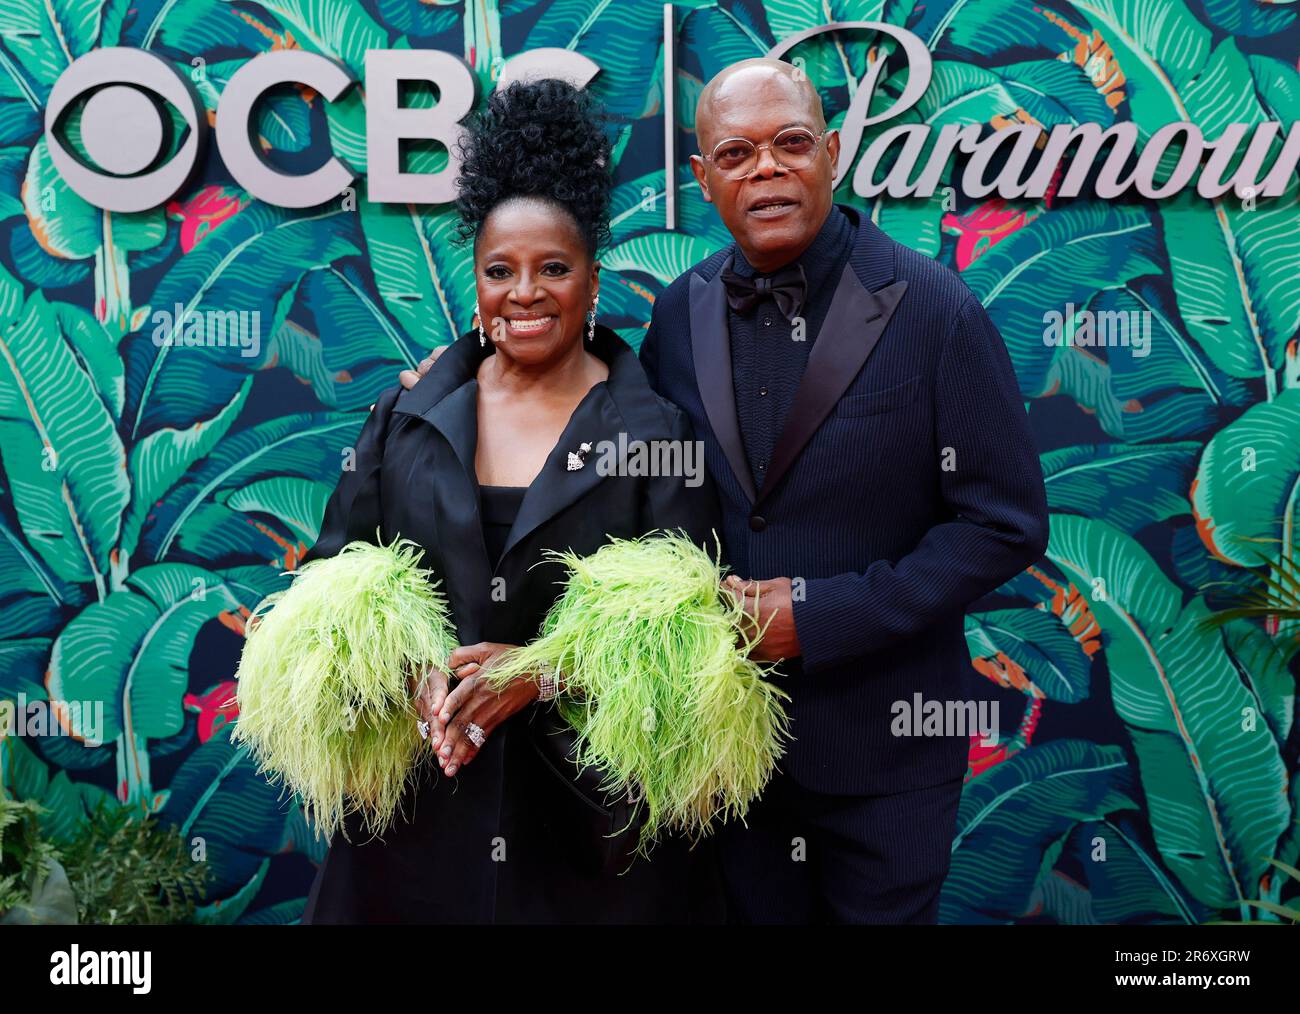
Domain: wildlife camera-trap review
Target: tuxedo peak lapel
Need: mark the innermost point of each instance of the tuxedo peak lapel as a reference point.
(872, 255)
(711, 351)
(852, 327)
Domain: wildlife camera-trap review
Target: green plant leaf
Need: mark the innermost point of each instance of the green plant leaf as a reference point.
(1244, 496)
(425, 279)
(1215, 791)
(1013, 814)
(1055, 260)
(1128, 485)
(299, 503)
(159, 460)
(52, 904)
(61, 451)
(251, 265)
(342, 31)
(131, 652)
(45, 38)
(1125, 881)
(1035, 641)
(615, 35)
(220, 803)
(663, 255)
(304, 445)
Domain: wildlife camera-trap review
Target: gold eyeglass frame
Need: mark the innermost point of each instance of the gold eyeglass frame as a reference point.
(770, 146)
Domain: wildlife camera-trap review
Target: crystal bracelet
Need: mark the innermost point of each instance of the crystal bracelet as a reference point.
(548, 682)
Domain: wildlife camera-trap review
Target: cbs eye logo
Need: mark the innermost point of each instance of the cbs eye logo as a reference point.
(125, 131)
(124, 128)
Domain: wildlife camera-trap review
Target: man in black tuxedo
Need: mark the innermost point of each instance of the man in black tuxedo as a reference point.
(863, 423)
(877, 473)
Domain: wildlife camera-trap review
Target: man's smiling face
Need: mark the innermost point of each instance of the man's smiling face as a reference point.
(774, 213)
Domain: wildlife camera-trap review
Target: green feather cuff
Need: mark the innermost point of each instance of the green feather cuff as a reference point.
(658, 682)
(325, 707)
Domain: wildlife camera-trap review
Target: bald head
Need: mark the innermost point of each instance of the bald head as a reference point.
(748, 86)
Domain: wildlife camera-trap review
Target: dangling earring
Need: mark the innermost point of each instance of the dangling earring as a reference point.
(482, 335)
(591, 319)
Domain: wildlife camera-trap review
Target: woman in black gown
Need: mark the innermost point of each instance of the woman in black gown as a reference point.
(491, 459)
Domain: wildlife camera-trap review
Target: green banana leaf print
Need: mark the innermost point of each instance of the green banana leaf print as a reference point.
(153, 492)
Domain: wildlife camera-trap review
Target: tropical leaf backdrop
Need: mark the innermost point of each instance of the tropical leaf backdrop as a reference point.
(150, 496)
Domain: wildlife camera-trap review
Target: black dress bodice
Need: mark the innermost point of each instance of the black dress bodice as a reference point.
(498, 507)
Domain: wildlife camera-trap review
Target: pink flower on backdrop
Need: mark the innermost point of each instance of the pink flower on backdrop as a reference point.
(988, 224)
(205, 211)
(984, 227)
(216, 708)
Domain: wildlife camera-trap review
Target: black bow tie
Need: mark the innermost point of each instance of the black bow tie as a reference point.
(787, 286)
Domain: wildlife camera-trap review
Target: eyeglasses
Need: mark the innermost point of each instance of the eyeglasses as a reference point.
(794, 148)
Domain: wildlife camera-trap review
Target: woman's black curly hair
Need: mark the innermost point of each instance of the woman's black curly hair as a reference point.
(542, 138)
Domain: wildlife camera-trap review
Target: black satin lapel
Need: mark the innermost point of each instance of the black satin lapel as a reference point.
(459, 363)
(456, 418)
(711, 349)
(853, 326)
(595, 419)
(455, 498)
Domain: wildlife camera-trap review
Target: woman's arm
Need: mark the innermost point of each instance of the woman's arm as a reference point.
(354, 512)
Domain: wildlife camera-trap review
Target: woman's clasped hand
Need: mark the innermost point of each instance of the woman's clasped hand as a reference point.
(460, 718)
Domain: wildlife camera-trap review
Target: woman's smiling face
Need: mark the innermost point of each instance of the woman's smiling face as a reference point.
(535, 280)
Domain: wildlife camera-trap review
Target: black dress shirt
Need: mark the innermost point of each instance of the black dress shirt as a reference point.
(767, 357)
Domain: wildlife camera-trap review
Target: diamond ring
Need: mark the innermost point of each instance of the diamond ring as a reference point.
(475, 733)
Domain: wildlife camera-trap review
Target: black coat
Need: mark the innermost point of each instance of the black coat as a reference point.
(493, 843)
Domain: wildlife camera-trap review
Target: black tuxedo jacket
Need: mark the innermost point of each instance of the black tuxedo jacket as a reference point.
(904, 485)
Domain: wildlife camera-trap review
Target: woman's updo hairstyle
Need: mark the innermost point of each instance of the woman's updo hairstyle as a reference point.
(542, 138)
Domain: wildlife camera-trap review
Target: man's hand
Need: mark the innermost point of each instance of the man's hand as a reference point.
(771, 611)
(410, 378)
